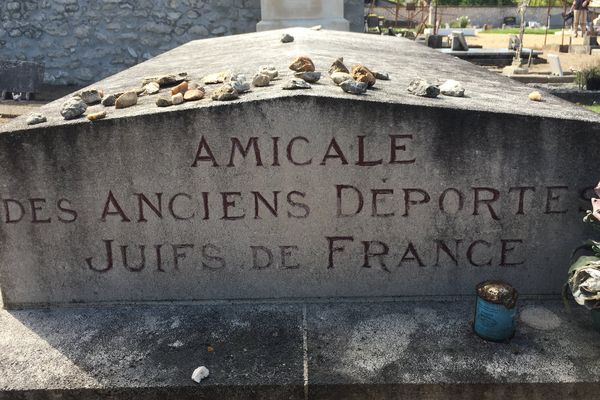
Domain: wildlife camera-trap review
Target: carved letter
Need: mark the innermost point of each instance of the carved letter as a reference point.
(368, 254)
(236, 144)
(552, 197)
(109, 258)
(289, 151)
(216, 258)
(172, 206)
(227, 203)
(471, 249)
(264, 250)
(272, 208)
(332, 249)
(339, 189)
(414, 255)
(297, 204)
(506, 249)
(209, 154)
(333, 145)
(375, 201)
(119, 211)
(522, 190)
(67, 210)
(8, 218)
(35, 208)
(361, 154)
(408, 201)
(142, 199)
(177, 255)
(286, 251)
(394, 147)
(488, 202)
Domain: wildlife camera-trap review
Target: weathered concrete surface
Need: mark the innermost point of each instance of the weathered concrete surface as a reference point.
(251, 351)
(457, 190)
(356, 350)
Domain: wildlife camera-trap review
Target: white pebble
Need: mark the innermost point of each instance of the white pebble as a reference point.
(199, 374)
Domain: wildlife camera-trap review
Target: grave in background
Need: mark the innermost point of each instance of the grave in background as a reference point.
(296, 194)
(278, 14)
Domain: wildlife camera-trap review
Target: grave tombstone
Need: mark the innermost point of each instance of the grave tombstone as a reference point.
(296, 194)
(555, 66)
(458, 41)
(20, 77)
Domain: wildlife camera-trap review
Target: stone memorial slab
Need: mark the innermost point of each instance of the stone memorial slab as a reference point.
(295, 194)
(20, 76)
(555, 66)
(278, 14)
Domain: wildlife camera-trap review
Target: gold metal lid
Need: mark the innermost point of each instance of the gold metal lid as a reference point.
(498, 292)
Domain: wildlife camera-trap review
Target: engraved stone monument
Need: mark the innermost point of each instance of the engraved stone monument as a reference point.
(278, 14)
(296, 194)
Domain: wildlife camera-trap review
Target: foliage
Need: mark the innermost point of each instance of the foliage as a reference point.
(500, 3)
(584, 274)
(588, 77)
(460, 22)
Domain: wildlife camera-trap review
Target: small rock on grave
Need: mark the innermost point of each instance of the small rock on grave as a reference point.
(199, 374)
(384, 76)
(452, 88)
(109, 100)
(194, 94)
(91, 96)
(97, 115)
(287, 38)
(34, 119)
(166, 80)
(240, 84)
(339, 77)
(261, 80)
(270, 70)
(338, 66)
(310, 77)
(354, 87)
(420, 87)
(535, 96)
(181, 88)
(73, 108)
(127, 99)
(218, 77)
(177, 99)
(225, 93)
(302, 64)
(164, 101)
(296, 83)
(152, 88)
(361, 73)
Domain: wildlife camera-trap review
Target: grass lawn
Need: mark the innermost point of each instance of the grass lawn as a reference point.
(515, 31)
(594, 108)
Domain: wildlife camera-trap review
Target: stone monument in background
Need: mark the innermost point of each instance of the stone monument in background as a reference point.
(277, 14)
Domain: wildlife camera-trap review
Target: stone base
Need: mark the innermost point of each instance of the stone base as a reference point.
(344, 350)
(339, 24)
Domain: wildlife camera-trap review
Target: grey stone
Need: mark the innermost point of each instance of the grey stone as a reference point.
(310, 77)
(127, 99)
(287, 38)
(164, 101)
(73, 108)
(338, 66)
(452, 88)
(269, 70)
(91, 96)
(109, 100)
(339, 77)
(420, 87)
(239, 83)
(436, 178)
(540, 317)
(225, 92)
(166, 80)
(152, 87)
(97, 115)
(35, 119)
(194, 94)
(260, 80)
(177, 99)
(384, 76)
(217, 77)
(296, 83)
(354, 87)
